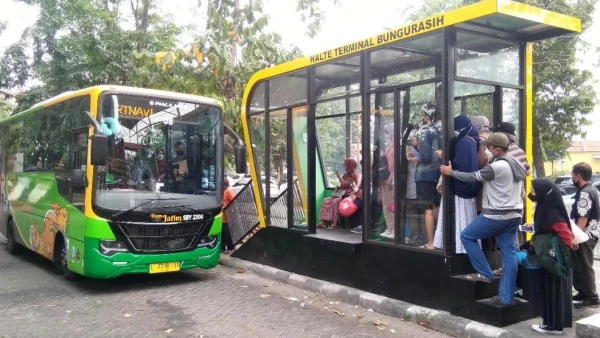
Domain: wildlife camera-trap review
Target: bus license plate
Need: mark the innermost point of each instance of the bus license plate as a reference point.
(164, 267)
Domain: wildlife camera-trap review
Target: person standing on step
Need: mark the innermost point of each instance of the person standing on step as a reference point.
(501, 216)
(428, 173)
(550, 294)
(585, 213)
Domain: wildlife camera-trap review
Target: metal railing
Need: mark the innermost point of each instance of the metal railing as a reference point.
(279, 208)
(242, 215)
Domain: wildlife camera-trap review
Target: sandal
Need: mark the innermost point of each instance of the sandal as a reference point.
(478, 278)
(322, 225)
(424, 246)
(333, 226)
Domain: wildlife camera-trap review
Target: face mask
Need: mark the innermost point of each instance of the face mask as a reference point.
(533, 197)
(160, 157)
(180, 152)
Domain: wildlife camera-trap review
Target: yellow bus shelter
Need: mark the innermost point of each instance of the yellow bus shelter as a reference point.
(364, 100)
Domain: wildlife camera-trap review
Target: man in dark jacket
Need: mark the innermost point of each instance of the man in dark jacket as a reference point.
(585, 212)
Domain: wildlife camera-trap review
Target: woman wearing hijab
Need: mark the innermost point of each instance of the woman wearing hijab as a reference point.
(464, 157)
(551, 295)
(329, 207)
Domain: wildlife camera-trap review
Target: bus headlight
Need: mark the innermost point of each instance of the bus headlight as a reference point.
(207, 242)
(109, 248)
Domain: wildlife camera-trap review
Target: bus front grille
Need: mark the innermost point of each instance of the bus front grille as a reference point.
(153, 237)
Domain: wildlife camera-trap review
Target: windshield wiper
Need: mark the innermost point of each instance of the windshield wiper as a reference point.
(183, 206)
(114, 217)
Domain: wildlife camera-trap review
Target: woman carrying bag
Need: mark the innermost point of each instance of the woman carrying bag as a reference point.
(545, 275)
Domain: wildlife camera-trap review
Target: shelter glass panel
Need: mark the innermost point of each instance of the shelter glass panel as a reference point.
(300, 167)
(257, 99)
(338, 77)
(288, 89)
(486, 59)
(511, 108)
(276, 181)
(420, 178)
(331, 134)
(256, 126)
(407, 61)
(473, 99)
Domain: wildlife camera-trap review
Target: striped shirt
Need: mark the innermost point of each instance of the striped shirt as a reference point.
(518, 154)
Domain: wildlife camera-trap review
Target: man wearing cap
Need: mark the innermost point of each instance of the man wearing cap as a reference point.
(500, 217)
(513, 149)
(427, 174)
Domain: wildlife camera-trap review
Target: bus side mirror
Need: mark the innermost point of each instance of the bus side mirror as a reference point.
(240, 159)
(99, 146)
(78, 178)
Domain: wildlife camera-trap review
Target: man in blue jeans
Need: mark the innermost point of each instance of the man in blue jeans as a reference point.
(500, 217)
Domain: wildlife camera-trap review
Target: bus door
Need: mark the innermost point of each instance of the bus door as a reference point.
(78, 162)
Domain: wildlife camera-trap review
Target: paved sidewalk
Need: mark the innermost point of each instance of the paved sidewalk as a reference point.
(221, 302)
(438, 320)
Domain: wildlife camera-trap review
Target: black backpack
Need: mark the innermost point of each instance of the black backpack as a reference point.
(382, 172)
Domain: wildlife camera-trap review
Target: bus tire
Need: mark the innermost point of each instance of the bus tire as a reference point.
(12, 245)
(61, 256)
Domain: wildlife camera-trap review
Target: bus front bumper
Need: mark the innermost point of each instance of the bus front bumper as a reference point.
(97, 265)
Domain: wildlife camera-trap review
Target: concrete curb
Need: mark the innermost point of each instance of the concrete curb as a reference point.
(588, 327)
(437, 320)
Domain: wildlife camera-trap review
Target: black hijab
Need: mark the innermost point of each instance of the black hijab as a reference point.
(550, 207)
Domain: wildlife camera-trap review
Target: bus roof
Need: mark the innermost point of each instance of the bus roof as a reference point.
(502, 18)
(123, 89)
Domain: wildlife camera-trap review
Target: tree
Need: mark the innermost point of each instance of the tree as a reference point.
(563, 94)
(219, 62)
(79, 43)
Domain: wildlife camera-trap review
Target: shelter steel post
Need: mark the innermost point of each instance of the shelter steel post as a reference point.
(267, 192)
(290, 167)
(312, 153)
(448, 75)
(365, 84)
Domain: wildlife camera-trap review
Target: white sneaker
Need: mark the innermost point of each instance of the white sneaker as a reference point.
(387, 234)
(545, 329)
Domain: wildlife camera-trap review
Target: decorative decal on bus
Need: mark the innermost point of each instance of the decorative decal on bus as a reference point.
(55, 221)
(383, 38)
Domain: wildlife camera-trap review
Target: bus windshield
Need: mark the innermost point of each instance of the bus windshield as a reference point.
(163, 151)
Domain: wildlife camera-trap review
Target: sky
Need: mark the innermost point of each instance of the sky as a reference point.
(350, 21)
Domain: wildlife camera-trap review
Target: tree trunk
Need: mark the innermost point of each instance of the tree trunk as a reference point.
(538, 156)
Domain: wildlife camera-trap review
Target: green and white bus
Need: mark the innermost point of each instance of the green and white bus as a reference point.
(112, 180)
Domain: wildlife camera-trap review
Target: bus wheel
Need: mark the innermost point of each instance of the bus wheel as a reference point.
(61, 256)
(12, 245)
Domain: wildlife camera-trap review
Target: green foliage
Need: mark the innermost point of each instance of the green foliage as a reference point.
(79, 43)
(219, 62)
(5, 109)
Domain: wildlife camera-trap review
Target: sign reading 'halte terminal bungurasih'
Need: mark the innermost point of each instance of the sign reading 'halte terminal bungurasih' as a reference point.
(386, 37)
